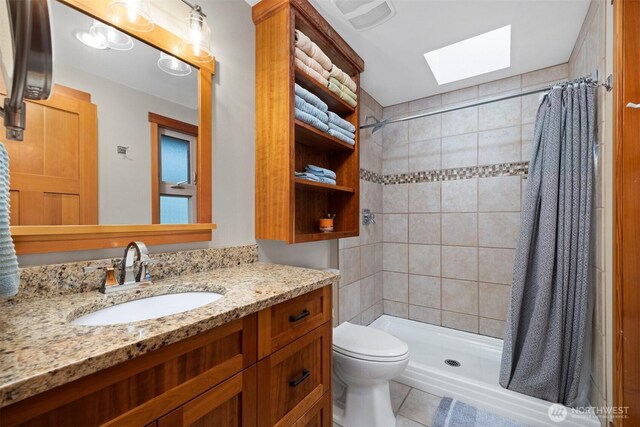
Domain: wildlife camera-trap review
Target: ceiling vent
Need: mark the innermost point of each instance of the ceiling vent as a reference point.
(365, 14)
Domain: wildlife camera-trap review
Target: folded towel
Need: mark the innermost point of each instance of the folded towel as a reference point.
(311, 73)
(312, 63)
(343, 78)
(318, 171)
(342, 95)
(310, 120)
(312, 50)
(339, 121)
(344, 88)
(310, 109)
(315, 178)
(341, 136)
(310, 98)
(346, 133)
(9, 272)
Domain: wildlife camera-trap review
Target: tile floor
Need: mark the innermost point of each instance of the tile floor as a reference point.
(413, 407)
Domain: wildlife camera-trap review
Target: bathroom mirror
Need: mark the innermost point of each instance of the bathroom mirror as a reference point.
(122, 150)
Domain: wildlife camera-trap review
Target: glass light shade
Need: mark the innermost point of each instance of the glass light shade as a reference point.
(196, 43)
(90, 40)
(172, 65)
(113, 38)
(132, 14)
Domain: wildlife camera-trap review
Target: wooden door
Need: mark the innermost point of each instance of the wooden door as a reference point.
(54, 171)
(627, 211)
(230, 404)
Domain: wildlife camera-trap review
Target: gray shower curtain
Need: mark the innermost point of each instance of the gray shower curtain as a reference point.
(547, 339)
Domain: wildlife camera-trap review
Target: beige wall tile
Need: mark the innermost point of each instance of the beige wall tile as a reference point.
(424, 229)
(425, 128)
(499, 229)
(396, 110)
(350, 267)
(367, 292)
(492, 328)
(395, 134)
(499, 146)
(424, 260)
(460, 95)
(424, 291)
(367, 260)
(526, 137)
(530, 104)
(423, 197)
(494, 300)
(349, 302)
(460, 229)
(460, 151)
(395, 198)
(368, 316)
(460, 296)
(423, 104)
(496, 265)
(395, 159)
(460, 121)
(460, 321)
(499, 114)
(395, 228)
(499, 194)
(500, 86)
(460, 195)
(424, 155)
(553, 74)
(398, 309)
(460, 262)
(395, 286)
(425, 314)
(395, 257)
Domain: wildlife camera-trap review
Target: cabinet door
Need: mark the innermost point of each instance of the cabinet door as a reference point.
(292, 380)
(321, 415)
(230, 404)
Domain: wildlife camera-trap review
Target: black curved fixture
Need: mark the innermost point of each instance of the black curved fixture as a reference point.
(33, 64)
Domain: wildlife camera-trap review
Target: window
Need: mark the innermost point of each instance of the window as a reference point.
(174, 178)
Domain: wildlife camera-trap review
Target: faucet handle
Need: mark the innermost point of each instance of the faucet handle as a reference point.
(146, 274)
(109, 278)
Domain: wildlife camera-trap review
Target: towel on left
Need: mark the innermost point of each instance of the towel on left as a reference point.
(9, 271)
(302, 105)
(310, 120)
(310, 48)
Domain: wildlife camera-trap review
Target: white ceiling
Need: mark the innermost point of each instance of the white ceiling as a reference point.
(543, 34)
(136, 68)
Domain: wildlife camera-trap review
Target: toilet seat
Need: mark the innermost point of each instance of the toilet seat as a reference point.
(361, 342)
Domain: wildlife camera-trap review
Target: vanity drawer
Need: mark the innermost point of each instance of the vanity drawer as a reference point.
(283, 323)
(292, 380)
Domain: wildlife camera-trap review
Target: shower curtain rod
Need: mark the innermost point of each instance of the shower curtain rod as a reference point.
(379, 124)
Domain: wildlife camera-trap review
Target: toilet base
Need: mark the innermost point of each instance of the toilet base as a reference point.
(366, 406)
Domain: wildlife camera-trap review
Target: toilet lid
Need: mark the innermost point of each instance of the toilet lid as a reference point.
(368, 343)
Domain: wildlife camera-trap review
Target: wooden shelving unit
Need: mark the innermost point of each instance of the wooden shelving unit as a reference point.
(288, 208)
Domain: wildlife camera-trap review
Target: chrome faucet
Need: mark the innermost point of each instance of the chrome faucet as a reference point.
(133, 270)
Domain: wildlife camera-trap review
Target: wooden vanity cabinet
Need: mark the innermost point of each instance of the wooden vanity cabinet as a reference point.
(216, 378)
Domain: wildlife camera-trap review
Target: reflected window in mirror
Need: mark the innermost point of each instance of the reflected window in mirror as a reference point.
(173, 169)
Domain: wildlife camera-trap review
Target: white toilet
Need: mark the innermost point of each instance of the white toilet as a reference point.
(364, 360)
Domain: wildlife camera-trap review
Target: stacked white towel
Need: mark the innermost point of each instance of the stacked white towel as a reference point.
(9, 272)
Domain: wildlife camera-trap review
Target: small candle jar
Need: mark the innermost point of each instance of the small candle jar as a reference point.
(326, 225)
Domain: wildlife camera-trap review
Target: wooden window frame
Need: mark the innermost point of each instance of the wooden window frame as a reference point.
(157, 124)
(43, 239)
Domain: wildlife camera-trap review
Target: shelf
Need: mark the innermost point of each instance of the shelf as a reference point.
(320, 186)
(312, 137)
(314, 237)
(335, 104)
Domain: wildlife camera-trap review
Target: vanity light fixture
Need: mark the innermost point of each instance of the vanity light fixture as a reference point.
(88, 39)
(114, 39)
(132, 14)
(172, 65)
(197, 41)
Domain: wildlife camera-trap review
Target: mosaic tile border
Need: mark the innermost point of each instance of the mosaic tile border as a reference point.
(453, 174)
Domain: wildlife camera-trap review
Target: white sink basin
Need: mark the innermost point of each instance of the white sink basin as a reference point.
(147, 308)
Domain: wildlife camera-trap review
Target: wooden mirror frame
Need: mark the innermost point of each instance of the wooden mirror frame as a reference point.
(61, 238)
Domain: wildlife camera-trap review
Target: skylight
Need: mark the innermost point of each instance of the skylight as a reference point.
(471, 57)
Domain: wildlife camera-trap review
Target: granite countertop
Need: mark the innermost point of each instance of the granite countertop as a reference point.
(40, 349)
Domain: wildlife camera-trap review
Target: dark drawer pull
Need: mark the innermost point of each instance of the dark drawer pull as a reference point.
(296, 382)
(300, 316)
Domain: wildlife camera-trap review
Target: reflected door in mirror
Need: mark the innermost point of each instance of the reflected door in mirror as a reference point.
(53, 172)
